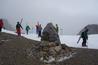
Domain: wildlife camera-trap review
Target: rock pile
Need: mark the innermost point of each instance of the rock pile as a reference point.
(50, 52)
(50, 48)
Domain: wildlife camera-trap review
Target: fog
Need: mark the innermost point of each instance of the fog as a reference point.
(70, 15)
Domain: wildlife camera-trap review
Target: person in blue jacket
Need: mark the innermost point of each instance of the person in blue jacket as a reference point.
(27, 29)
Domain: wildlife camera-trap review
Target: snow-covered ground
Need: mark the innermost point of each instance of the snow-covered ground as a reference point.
(70, 40)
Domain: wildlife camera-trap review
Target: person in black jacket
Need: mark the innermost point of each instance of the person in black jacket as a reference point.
(18, 28)
(84, 36)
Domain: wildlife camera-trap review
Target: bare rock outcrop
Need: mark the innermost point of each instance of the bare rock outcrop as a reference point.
(92, 29)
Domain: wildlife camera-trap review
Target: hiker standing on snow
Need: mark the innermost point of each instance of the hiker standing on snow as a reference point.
(27, 29)
(39, 30)
(84, 36)
(18, 28)
(1, 24)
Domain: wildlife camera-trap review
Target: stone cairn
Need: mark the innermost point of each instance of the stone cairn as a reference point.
(51, 49)
(49, 34)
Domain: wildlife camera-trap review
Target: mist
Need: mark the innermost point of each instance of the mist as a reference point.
(70, 15)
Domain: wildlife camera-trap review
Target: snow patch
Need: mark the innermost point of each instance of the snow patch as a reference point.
(64, 58)
(69, 40)
(51, 59)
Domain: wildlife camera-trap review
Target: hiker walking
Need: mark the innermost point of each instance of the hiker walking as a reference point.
(84, 36)
(39, 30)
(18, 28)
(1, 24)
(27, 29)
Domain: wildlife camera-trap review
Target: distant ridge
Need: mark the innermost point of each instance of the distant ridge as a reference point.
(93, 29)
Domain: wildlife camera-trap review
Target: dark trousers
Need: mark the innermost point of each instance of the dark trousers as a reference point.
(0, 29)
(27, 32)
(39, 34)
(84, 42)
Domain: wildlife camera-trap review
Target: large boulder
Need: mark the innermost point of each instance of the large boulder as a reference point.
(92, 29)
(49, 34)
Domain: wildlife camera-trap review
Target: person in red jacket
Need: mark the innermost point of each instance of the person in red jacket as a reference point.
(18, 28)
(1, 24)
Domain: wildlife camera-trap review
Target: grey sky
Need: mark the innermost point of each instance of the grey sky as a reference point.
(70, 15)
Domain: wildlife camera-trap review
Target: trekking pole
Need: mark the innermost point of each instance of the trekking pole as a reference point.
(78, 40)
(87, 43)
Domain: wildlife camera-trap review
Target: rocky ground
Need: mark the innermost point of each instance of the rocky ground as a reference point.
(83, 57)
(16, 50)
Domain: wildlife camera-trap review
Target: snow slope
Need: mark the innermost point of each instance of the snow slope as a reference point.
(70, 40)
